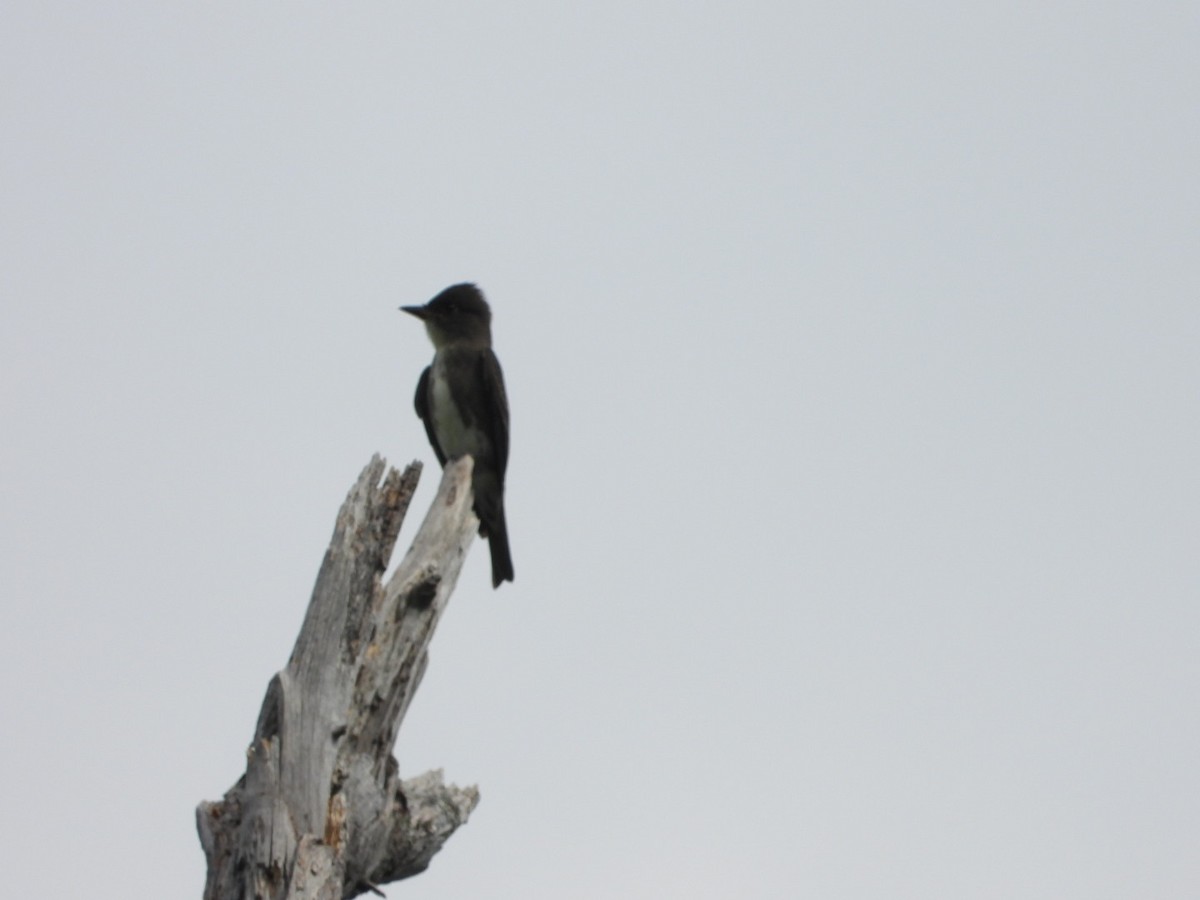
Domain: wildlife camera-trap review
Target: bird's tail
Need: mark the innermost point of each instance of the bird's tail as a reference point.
(489, 507)
(502, 567)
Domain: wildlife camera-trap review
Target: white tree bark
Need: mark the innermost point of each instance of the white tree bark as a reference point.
(321, 811)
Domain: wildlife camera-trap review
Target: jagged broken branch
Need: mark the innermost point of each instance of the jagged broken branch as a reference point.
(321, 811)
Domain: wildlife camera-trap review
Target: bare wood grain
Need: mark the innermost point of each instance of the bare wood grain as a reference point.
(321, 811)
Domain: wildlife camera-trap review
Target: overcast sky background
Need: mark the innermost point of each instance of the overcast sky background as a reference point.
(853, 495)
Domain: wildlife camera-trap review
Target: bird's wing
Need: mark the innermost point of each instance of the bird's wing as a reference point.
(497, 400)
(421, 402)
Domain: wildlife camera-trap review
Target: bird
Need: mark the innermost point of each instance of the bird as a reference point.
(462, 402)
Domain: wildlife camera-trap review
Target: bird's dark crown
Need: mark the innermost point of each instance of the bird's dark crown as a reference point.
(464, 300)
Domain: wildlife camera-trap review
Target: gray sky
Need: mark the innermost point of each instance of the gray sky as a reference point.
(853, 489)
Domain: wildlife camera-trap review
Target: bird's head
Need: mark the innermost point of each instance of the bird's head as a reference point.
(459, 314)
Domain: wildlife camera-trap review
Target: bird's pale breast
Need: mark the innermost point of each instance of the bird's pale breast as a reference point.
(455, 434)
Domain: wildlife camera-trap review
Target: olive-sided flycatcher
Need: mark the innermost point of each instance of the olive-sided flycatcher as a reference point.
(461, 400)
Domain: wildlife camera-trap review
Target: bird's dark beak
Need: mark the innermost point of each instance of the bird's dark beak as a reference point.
(418, 311)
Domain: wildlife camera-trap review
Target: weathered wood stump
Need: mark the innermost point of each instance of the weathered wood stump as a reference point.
(321, 811)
